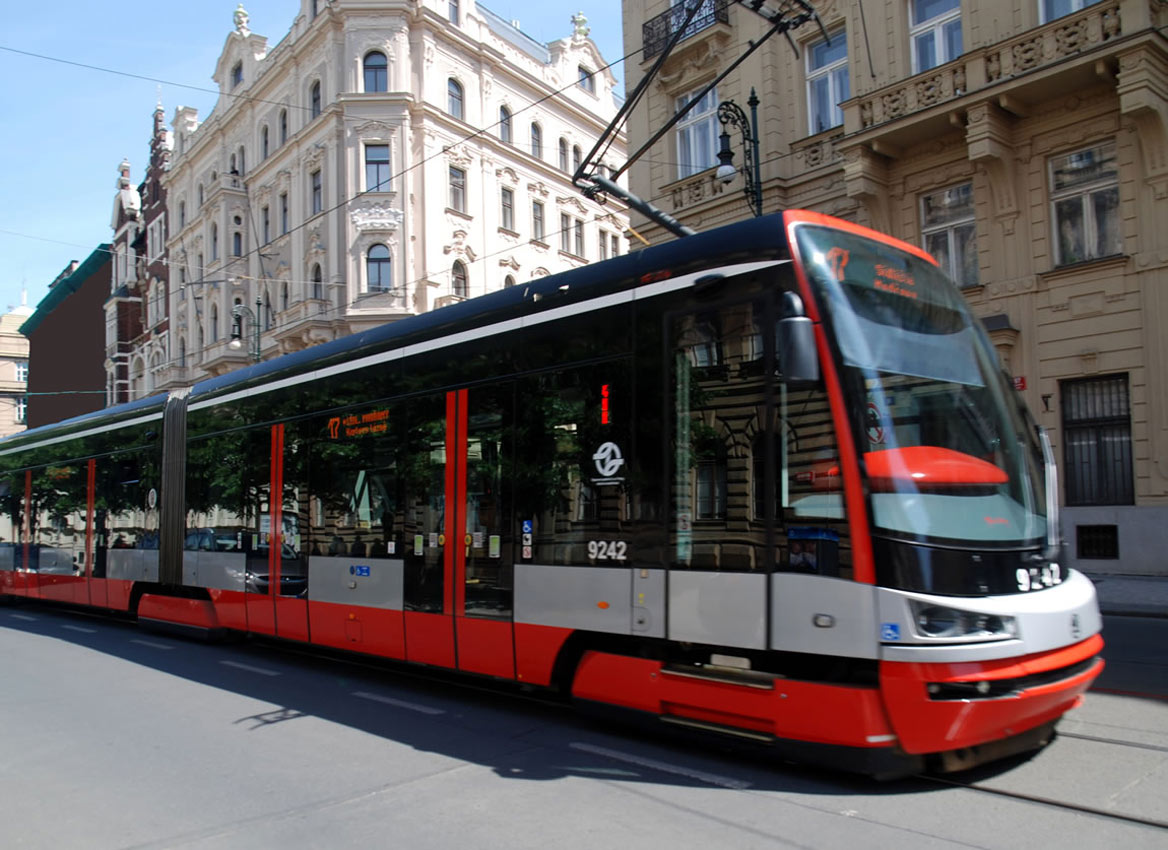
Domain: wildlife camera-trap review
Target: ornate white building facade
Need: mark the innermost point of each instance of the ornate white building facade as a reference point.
(382, 160)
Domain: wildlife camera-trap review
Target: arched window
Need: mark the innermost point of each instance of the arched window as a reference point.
(577, 158)
(459, 285)
(236, 74)
(284, 296)
(242, 161)
(214, 242)
(182, 214)
(231, 165)
(504, 124)
(237, 244)
(268, 317)
(264, 142)
(314, 99)
(182, 352)
(508, 282)
(376, 72)
(214, 322)
(317, 283)
(283, 126)
(378, 269)
(454, 98)
(536, 141)
(563, 154)
(200, 193)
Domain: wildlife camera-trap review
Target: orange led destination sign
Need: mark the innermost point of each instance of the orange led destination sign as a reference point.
(359, 424)
(894, 280)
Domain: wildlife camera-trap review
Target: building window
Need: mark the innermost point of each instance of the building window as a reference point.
(1096, 416)
(578, 232)
(710, 487)
(182, 214)
(454, 98)
(577, 158)
(200, 195)
(266, 223)
(602, 244)
(585, 80)
(1053, 9)
(536, 141)
(1084, 196)
(264, 142)
(459, 284)
(317, 202)
(505, 125)
(827, 82)
(237, 244)
(283, 213)
(214, 242)
(236, 74)
(376, 72)
(457, 189)
(22, 409)
(377, 168)
(452, 11)
(317, 283)
(314, 100)
(283, 126)
(935, 33)
(22, 371)
(949, 232)
(537, 230)
(378, 269)
(614, 244)
(507, 209)
(284, 296)
(214, 322)
(565, 233)
(697, 133)
(508, 282)
(563, 154)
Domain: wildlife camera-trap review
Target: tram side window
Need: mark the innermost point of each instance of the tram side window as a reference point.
(573, 475)
(126, 507)
(59, 517)
(227, 475)
(719, 400)
(356, 496)
(813, 534)
(11, 518)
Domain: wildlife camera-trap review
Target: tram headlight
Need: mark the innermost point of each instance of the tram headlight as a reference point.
(940, 621)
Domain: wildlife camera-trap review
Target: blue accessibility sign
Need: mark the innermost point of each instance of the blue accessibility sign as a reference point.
(890, 631)
(359, 570)
(528, 526)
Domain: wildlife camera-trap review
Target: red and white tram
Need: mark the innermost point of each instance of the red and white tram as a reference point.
(767, 481)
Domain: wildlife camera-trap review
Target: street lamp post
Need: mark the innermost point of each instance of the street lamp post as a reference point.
(238, 312)
(732, 115)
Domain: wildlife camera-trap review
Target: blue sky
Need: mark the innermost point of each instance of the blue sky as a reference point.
(66, 128)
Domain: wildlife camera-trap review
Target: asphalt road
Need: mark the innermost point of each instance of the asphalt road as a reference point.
(114, 737)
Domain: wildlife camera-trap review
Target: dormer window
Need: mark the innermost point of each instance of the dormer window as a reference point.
(236, 74)
(585, 80)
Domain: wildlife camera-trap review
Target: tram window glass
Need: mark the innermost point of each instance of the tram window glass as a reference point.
(599, 334)
(226, 476)
(573, 473)
(11, 518)
(126, 489)
(59, 517)
(489, 557)
(357, 487)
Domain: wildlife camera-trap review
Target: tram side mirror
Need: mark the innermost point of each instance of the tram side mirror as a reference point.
(797, 356)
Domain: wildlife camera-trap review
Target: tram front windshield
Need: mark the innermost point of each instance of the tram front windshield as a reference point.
(949, 455)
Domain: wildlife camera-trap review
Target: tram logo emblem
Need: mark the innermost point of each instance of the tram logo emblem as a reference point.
(608, 460)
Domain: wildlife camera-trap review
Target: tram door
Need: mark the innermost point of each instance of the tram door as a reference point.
(276, 576)
(458, 574)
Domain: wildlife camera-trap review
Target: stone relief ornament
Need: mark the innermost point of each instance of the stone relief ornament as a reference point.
(376, 217)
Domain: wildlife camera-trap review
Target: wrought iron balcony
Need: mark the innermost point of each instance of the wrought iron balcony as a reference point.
(656, 32)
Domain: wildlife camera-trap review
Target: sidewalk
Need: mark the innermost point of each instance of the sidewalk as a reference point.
(1141, 596)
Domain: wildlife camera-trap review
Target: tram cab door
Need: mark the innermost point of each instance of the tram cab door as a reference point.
(458, 589)
(276, 579)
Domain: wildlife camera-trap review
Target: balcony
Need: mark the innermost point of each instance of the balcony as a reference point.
(656, 32)
(1059, 56)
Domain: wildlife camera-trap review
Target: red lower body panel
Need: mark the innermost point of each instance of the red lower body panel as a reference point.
(536, 649)
(803, 711)
(925, 725)
(371, 630)
(199, 613)
(430, 639)
(486, 647)
(230, 608)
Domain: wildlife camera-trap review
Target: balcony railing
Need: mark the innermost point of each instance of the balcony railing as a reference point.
(656, 32)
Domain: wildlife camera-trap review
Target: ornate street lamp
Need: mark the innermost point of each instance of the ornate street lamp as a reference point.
(238, 312)
(731, 115)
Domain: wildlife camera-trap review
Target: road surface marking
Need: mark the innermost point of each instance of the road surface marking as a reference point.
(250, 669)
(664, 767)
(150, 643)
(412, 706)
(80, 629)
(24, 617)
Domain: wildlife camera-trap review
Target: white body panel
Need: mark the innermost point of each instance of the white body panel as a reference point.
(845, 609)
(725, 609)
(340, 580)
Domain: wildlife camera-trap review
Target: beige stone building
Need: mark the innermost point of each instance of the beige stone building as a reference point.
(13, 370)
(1023, 142)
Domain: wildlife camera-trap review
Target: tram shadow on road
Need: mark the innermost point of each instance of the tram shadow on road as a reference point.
(496, 726)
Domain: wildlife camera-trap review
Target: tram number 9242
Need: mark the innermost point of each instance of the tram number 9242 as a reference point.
(607, 550)
(1036, 579)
